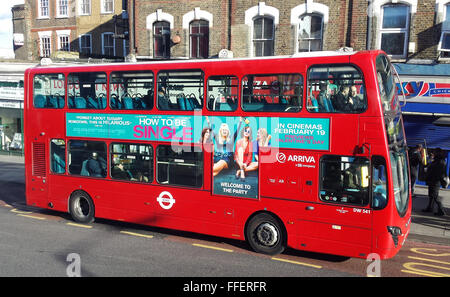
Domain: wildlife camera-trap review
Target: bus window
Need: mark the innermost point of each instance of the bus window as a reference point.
(48, 90)
(272, 93)
(131, 90)
(181, 166)
(344, 180)
(87, 158)
(58, 156)
(379, 183)
(385, 81)
(336, 89)
(180, 90)
(87, 90)
(131, 161)
(222, 93)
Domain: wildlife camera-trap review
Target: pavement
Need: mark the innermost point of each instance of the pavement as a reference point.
(425, 227)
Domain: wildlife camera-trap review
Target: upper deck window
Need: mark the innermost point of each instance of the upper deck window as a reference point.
(336, 89)
(386, 84)
(48, 90)
(180, 90)
(223, 93)
(131, 90)
(87, 90)
(272, 93)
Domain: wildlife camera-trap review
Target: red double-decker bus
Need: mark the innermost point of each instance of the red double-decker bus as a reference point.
(305, 152)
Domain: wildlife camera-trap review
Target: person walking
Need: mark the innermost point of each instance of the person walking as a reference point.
(435, 172)
(415, 159)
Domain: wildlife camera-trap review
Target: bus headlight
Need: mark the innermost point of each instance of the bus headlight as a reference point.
(395, 232)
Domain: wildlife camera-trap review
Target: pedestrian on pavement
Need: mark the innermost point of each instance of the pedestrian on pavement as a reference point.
(415, 160)
(435, 172)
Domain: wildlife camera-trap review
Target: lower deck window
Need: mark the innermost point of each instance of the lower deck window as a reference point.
(58, 156)
(179, 165)
(132, 162)
(87, 158)
(344, 180)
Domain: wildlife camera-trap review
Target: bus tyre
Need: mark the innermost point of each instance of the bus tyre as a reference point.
(265, 234)
(81, 207)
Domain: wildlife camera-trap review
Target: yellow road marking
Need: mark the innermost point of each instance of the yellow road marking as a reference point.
(20, 211)
(431, 260)
(212, 247)
(32, 217)
(79, 225)
(136, 234)
(298, 263)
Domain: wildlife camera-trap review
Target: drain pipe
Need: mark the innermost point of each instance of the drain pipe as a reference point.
(369, 25)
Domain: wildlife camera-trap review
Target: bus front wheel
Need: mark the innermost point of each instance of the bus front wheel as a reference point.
(265, 234)
(81, 207)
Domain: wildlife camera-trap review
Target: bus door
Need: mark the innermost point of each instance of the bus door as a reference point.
(341, 220)
(38, 185)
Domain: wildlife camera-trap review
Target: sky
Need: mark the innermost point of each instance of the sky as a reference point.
(6, 28)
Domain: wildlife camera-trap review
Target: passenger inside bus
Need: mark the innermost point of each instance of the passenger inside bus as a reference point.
(163, 101)
(95, 166)
(355, 99)
(323, 99)
(118, 171)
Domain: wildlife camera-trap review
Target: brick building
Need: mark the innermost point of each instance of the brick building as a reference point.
(407, 29)
(87, 28)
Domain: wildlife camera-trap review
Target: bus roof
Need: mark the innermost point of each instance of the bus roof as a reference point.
(174, 61)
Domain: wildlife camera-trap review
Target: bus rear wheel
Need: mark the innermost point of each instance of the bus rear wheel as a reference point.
(265, 234)
(81, 207)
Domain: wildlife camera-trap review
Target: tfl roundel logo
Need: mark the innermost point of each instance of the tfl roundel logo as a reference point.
(165, 200)
(281, 157)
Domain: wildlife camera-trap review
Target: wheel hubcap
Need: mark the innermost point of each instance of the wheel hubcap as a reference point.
(81, 206)
(267, 234)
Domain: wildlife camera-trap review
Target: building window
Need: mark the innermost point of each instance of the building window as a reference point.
(86, 44)
(85, 7)
(394, 30)
(161, 39)
(263, 36)
(46, 46)
(62, 9)
(444, 42)
(64, 43)
(107, 6)
(108, 44)
(43, 9)
(199, 39)
(310, 32)
(126, 47)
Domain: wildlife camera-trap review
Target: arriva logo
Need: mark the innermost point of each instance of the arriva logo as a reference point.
(282, 158)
